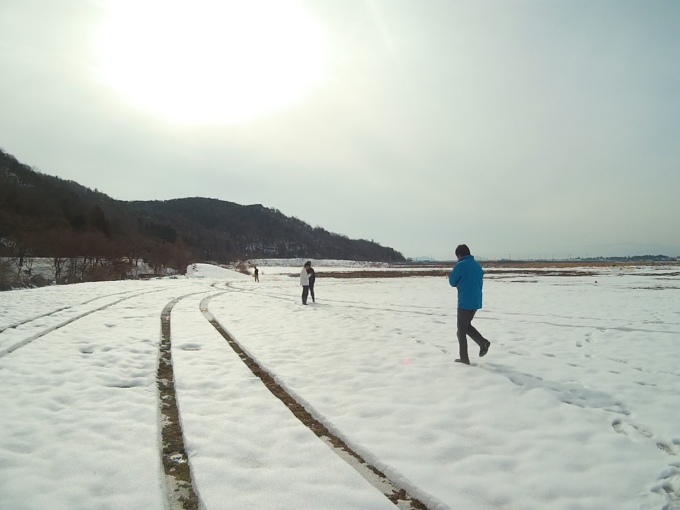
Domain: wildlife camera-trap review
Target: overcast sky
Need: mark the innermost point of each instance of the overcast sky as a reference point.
(521, 128)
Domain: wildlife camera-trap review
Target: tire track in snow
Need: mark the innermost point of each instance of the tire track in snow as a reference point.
(450, 313)
(179, 485)
(668, 482)
(405, 310)
(30, 339)
(347, 304)
(20, 323)
(394, 491)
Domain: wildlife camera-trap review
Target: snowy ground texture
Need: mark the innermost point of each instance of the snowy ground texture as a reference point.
(576, 406)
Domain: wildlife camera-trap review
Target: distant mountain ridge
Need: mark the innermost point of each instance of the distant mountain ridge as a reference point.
(47, 216)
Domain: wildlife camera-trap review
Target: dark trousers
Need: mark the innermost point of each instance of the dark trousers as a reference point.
(311, 291)
(465, 329)
(305, 291)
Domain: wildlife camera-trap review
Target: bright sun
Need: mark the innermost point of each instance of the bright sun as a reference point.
(220, 61)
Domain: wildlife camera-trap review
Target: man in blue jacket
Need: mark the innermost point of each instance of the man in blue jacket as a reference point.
(467, 276)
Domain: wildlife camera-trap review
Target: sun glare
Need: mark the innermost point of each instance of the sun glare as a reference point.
(220, 61)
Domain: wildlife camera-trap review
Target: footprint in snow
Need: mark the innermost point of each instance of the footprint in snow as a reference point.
(669, 480)
(669, 449)
(631, 430)
(190, 347)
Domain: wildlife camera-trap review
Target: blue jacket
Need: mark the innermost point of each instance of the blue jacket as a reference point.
(467, 275)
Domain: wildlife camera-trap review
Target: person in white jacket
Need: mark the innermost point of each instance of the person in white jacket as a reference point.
(304, 281)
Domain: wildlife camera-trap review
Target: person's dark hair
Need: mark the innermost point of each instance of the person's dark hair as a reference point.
(308, 263)
(462, 250)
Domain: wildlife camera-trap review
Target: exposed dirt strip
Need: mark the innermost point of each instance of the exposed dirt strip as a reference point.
(179, 484)
(374, 476)
(396, 273)
(28, 340)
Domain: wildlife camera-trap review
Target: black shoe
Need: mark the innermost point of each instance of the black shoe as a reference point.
(467, 362)
(484, 349)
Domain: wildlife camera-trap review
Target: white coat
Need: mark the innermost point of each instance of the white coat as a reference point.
(304, 277)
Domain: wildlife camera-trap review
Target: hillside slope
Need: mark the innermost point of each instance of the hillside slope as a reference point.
(48, 216)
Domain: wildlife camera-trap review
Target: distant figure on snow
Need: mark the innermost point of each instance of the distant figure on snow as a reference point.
(304, 281)
(312, 279)
(467, 276)
(256, 274)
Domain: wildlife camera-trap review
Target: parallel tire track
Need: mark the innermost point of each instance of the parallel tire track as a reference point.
(347, 304)
(374, 476)
(364, 306)
(26, 321)
(179, 485)
(180, 490)
(30, 339)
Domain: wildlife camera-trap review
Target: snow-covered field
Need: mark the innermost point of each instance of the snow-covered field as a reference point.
(576, 406)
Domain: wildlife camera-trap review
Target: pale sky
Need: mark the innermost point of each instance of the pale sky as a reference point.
(521, 128)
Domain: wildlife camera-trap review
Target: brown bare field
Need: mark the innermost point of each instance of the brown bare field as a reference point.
(575, 263)
(497, 269)
(381, 273)
(396, 273)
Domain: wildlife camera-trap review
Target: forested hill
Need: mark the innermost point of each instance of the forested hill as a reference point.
(48, 216)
